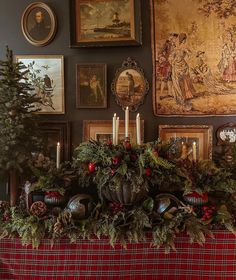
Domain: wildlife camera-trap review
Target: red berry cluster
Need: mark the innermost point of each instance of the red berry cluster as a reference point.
(208, 212)
(115, 207)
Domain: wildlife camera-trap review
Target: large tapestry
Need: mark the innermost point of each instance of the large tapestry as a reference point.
(194, 57)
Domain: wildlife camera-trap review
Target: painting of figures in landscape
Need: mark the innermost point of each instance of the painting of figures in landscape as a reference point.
(104, 20)
(130, 88)
(46, 75)
(194, 51)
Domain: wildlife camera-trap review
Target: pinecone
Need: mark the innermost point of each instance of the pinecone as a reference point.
(4, 205)
(38, 208)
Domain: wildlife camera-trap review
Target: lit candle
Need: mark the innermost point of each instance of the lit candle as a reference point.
(194, 151)
(117, 130)
(138, 129)
(127, 122)
(58, 154)
(114, 129)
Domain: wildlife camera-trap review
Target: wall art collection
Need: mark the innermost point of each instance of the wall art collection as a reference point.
(194, 64)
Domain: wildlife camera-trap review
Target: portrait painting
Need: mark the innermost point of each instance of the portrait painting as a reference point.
(130, 85)
(103, 22)
(38, 24)
(91, 84)
(46, 76)
(187, 138)
(101, 130)
(194, 57)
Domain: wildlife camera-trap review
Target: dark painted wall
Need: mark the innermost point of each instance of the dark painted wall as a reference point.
(11, 34)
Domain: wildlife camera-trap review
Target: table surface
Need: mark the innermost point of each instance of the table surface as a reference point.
(98, 260)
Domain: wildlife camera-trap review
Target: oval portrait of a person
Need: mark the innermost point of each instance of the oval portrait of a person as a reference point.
(38, 24)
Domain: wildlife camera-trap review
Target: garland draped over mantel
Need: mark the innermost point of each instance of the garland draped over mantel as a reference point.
(121, 192)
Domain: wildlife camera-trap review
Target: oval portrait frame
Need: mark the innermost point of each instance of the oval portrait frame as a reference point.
(53, 24)
(131, 79)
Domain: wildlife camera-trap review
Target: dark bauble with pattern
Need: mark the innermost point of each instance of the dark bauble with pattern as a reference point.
(81, 206)
(166, 202)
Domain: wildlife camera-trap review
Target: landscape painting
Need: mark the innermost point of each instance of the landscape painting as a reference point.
(105, 22)
(194, 57)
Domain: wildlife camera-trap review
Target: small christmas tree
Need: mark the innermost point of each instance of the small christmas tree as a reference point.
(18, 125)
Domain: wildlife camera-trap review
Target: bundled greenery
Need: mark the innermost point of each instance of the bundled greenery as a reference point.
(99, 165)
(18, 126)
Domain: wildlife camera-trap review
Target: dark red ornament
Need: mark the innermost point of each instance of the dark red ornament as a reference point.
(133, 157)
(148, 171)
(127, 145)
(91, 167)
(115, 160)
(109, 142)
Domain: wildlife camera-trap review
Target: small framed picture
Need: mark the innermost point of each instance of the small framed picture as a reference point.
(54, 132)
(39, 24)
(91, 86)
(105, 23)
(189, 138)
(102, 131)
(46, 75)
(130, 85)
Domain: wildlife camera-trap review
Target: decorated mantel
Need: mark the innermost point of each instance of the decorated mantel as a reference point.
(114, 189)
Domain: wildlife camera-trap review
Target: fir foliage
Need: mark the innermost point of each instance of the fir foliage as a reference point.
(18, 126)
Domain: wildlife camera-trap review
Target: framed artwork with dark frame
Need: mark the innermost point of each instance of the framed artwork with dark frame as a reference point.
(46, 75)
(39, 24)
(185, 136)
(97, 23)
(102, 130)
(91, 86)
(54, 132)
(130, 85)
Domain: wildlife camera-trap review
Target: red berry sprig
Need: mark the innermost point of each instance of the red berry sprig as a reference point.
(116, 207)
(208, 211)
(148, 171)
(115, 160)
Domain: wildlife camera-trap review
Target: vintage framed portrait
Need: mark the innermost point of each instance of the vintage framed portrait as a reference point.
(102, 130)
(194, 59)
(91, 86)
(46, 75)
(98, 23)
(185, 136)
(39, 24)
(226, 134)
(54, 132)
(130, 85)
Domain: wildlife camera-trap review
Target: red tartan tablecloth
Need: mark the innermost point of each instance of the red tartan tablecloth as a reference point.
(98, 260)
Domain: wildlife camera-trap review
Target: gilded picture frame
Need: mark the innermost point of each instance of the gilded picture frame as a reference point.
(91, 85)
(46, 75)
(101, 130)
(129, 85)
(98, 23)
(39, 24)
(188, 134)
(193, 47)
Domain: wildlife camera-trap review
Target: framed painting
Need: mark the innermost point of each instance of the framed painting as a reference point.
(91, 86)
(185, 137)
(102, 131)
(39, 24)
(226, 134)
(46, 75)
(194, 46)
(130, 85)
(97, 23)
(54, 132)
